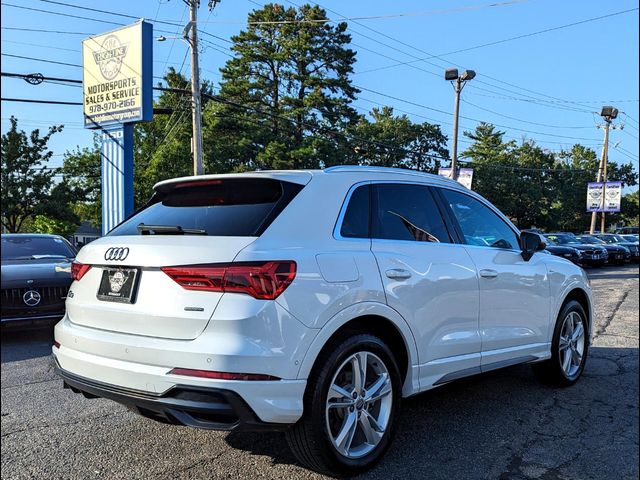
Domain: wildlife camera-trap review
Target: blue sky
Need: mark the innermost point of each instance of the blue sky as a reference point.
(548, 87)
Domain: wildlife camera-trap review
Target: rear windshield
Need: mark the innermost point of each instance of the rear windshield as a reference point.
(230, 207)
(33, 248)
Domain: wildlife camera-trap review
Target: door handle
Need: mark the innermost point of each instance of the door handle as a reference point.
(398, 274)
(488, 273)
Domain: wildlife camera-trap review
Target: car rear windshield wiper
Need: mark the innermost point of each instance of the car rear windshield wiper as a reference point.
(168, 230)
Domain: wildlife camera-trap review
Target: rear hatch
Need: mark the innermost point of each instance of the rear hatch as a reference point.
(206, 220)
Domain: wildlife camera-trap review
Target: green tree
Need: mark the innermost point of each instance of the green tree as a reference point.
(82, 180)
(578, 167)
(162, 148)
(46, 224)
(286, 94)
(395, 141)
(629, 211)
(26, 180)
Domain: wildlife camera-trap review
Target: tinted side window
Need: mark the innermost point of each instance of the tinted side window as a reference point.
(480, 225)
(356, 218)
(406, 212)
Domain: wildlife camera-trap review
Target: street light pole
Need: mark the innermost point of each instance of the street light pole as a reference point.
(454, 149)
(196, 107)
(460, 81)
(605, 161)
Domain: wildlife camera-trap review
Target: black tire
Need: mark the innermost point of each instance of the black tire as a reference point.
(309, 438)
(550, 371)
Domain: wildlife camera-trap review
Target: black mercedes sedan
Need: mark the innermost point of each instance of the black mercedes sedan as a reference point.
(35, 277)
(617, 253)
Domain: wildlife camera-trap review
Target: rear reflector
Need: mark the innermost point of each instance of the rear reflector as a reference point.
(56, 345)
(221, 375)
(78, 270)
(261, 280)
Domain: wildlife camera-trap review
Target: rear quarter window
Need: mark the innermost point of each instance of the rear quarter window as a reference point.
(355, 223)
(242, 207)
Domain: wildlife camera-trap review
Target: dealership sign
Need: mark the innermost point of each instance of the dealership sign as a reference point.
(117, 86)
(117, 76)
(465, 175)
(604, 197)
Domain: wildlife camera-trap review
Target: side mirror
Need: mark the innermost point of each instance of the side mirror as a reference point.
(531, 243)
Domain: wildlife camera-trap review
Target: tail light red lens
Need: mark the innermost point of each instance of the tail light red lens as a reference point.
(261, 280)
(78, 270)
(222, 375)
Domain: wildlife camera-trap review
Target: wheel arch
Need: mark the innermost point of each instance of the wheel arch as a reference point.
(379, 320)
(580, 295)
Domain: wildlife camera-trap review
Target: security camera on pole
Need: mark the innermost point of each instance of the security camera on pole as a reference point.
(451, 74)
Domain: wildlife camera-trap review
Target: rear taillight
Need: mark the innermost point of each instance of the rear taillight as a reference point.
(78, 270)
(262, 280)
(222, 375)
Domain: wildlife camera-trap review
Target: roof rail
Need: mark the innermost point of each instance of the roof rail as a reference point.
(368, 168)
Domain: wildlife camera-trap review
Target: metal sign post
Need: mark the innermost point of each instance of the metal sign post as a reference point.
(117, 175)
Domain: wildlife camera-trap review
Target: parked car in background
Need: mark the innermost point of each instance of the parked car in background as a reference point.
(592, 255)
(628, 230)
(564, 251)
(35, 277)
(617, 254)
(615, 239)
(629, 237)
(312, 302)
(570, 253)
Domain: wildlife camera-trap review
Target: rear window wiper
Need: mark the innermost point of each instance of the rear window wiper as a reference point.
(168, 230)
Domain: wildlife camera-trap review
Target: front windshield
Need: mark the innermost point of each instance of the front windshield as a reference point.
(34, 248)
(564, 239)
(615, 238)
(594, 240)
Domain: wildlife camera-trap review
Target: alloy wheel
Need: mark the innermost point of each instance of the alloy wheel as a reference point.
(571, 344)
(359, 404)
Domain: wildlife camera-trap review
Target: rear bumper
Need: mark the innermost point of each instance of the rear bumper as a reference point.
(206, 408)
(130, 370)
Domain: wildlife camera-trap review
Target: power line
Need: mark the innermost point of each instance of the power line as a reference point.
(42, 46)
(524, 121)
(379, 33)
(61, 14)
(370, 17)
(41, 60)
(470, 118)
(30, 100)
(546, 30)
(40, 30)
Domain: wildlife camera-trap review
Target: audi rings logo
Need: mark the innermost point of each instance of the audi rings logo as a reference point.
(31, 298)
(116, 253)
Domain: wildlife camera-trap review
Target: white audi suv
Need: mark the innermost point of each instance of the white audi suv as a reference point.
(313, 302)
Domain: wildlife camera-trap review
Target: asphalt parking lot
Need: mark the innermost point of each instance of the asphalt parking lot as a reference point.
(503, 425)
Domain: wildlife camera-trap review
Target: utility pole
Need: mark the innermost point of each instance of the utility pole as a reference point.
(460, 81)
(191, 36)
(608, 114)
